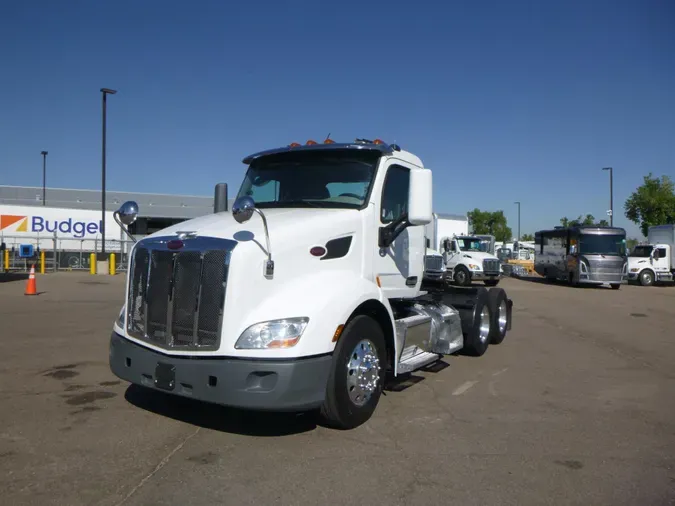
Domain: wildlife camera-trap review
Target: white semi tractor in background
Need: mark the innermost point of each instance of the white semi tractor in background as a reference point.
(654, 262)
(307, 296)
(465, 257)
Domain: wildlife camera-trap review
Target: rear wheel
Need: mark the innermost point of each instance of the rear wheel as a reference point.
(478, 338)
(498, 307)
(357, 374)
(615, 286)
(491, 282)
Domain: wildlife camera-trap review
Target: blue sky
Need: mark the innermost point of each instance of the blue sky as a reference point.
(505, 101)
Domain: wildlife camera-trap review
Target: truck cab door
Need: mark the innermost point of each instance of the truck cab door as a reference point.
(399, 267)
(661, 258)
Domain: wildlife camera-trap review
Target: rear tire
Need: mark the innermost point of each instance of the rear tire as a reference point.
(357, 375)
(478, 338)
(615, 286)
(499, 309)
(491, 282)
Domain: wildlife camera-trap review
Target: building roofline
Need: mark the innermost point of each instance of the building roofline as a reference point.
(107, 191)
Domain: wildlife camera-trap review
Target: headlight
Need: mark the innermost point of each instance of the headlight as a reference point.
(474, 267)
(120, 318)
(272, 334)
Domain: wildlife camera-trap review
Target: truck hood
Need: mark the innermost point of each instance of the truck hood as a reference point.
(638, 262)
(289, 229)
(476, 255)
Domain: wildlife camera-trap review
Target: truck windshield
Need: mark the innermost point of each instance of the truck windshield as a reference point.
(329, 179)
(642, 251)
(469, 244)
(602, 244)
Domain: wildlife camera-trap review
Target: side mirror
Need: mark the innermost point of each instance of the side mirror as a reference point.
(657, 255)
(128, 212)
(243, 208)
(126, 215)
(420, 206)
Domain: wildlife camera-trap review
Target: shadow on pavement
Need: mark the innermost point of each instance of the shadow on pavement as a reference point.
(6, 277)
(221, 418)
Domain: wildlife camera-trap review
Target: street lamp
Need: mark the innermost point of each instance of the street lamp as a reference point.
(105, 92)
(518, 203)
(44, 177)
(611, 195)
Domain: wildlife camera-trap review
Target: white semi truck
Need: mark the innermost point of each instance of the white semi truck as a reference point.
(467, 257)
(654, 262)
(307, 296)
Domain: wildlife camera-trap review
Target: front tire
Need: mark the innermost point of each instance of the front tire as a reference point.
(646, 278)
(461, 276)
(357, 375)
(615, 286)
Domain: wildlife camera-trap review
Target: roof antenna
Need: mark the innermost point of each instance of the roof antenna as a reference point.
(328, 136)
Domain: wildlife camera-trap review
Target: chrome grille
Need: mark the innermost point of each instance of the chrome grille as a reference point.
(491, 266)
(176, 297)
(434, 263)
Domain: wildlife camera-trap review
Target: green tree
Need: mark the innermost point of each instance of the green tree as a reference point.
(588, 220)
(631, 243)
(527, 237)
(493, 223)
(652, 203)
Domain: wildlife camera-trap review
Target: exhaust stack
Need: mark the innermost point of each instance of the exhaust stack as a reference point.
(220, 198)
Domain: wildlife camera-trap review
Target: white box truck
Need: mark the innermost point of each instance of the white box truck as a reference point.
(306, 296)
(654, 262)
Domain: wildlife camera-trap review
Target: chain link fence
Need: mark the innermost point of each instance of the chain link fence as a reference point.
(61, 253)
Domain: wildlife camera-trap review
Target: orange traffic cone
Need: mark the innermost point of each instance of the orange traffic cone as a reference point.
(31, 288)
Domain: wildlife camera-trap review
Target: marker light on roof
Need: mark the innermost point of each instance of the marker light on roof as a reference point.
(294, 145)
(329, 141)
(378, 141)
(311, 142)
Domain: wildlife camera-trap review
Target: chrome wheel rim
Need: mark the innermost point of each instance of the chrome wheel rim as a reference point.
(363, 372)
(484, 330)
(647, 278)
(502, 317)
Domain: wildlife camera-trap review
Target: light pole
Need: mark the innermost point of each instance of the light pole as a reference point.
(105, 92)
(518, 204)
(611, 195)
(44, 177)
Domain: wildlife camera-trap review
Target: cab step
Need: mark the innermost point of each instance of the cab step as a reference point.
(417, 362)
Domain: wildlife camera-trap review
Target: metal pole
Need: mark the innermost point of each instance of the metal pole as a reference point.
(105, 92)
(611, 195)
(103, 180)
(518, 203)
(44, 178)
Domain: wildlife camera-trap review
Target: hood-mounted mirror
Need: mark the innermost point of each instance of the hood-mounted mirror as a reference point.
(126, 215)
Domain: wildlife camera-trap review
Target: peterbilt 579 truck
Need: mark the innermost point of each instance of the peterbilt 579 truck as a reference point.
(306, 296)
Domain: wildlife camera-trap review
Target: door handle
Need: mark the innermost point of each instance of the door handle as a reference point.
(411, 281)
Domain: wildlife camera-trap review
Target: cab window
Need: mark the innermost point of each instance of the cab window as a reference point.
(395, 194)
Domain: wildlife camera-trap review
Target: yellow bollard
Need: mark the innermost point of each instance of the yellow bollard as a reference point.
(112, 264)
(42, 262)
(92, 263)
(7, 260)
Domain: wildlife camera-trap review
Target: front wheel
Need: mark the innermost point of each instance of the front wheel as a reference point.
(646, 278)
(357, 375)
(615, 286)
(461, 276)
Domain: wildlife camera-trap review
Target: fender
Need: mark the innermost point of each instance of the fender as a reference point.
(328, 299)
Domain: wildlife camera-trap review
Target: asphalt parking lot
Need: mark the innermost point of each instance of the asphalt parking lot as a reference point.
(577, 406)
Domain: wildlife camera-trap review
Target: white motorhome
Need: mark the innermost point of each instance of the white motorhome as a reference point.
(306, 295)
(654, 262)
